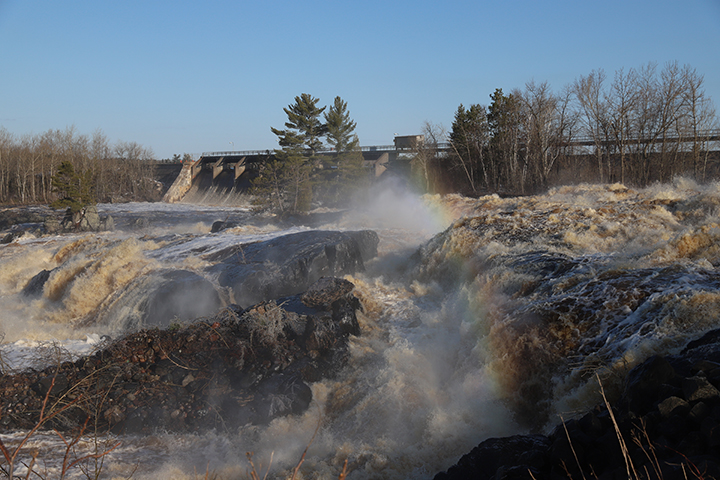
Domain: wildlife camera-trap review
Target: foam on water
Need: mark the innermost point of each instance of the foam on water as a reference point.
(581, 280)
(495, 326)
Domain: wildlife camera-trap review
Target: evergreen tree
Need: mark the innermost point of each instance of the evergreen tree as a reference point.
(504, 121)
(303, 127)
(346, 174)
(340, 128)
(285, 182)
(74, 189)
(469, 138)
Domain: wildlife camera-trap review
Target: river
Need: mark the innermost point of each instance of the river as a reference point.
(481, 317)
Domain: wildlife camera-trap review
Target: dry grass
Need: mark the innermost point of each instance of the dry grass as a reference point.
(640, 438)
(266, 324)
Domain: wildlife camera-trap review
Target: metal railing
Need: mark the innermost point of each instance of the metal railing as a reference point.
(238, 153)
(704, 135)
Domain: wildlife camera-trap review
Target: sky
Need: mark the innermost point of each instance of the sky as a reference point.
(199, 76)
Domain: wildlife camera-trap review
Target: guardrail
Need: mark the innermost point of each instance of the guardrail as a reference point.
(370, 148)
(706, 135)
(237, 153)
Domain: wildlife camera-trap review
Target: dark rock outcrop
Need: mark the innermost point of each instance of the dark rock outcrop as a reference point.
(240, 366)
(668, 418)
(289, 264)
(42, 220)
(22, 216)
(15, 222)
(34, 287)
(498, 456)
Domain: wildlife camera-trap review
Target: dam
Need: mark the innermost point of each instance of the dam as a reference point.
(220, 174)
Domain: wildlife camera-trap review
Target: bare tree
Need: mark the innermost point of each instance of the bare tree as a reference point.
(594, 117)
(701, 116)
(542, 122)
(427, 151)
(621, 101)
(6, 145)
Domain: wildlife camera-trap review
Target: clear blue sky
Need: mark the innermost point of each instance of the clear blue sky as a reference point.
(190, 76)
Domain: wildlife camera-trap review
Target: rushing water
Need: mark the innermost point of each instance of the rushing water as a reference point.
(482, 317)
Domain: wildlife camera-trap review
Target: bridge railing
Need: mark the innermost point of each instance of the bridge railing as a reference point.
(238, 153)
(704, 135)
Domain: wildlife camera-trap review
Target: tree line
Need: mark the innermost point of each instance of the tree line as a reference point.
(108, 172)
(644, 125)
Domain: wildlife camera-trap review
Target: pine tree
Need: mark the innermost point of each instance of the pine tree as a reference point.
(504, 120)
(469, 139)
(74, 189)
(340, 128)
(303, 127)
(346, 174)
(285, 183)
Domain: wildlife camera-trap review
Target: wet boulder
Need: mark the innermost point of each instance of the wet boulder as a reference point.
(287, 265)
(87, 219)
(160, 298)
(34, 287)
(221, 225)
(495, 457)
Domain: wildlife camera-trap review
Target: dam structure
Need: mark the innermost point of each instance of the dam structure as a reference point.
(221, 174)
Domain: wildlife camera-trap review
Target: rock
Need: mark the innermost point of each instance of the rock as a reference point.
(494, 454)
(34, 287)
(673, 405)
(698, 388)
(71, 221)
(644, 381)
(706, 366)
(160, 298)
(86, 220)
(680, 435)
(281, 395)
(52, 224)
(698, 412)
(107, 224)
(55, 385)
(12, 236)
(221, 225)
(235, 367)
(326, 291)
(289, 264)
(140, 223)
(90, 220)
(704, 349)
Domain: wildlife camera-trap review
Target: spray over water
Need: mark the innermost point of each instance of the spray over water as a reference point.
(481, 317)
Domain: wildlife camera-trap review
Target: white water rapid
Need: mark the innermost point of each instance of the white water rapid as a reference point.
(481, 317)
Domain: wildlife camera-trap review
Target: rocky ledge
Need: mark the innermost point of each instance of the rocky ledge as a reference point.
(667, 421)
(240, 366)
(42, 220)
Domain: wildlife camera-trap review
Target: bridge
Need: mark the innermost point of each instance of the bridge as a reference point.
(377, 156)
